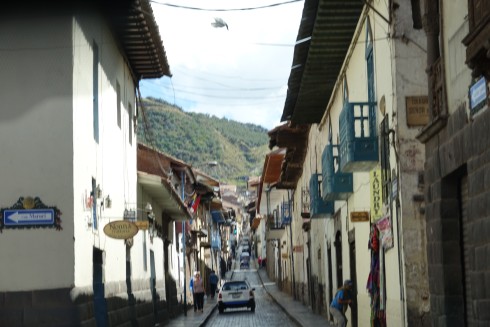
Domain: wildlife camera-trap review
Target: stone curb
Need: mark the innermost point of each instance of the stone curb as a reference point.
(296, 321)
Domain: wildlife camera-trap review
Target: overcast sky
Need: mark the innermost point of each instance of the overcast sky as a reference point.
(240, 73)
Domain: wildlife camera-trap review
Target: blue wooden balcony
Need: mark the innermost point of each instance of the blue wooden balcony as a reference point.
(336, 184)
(358, 137)
(318, 207)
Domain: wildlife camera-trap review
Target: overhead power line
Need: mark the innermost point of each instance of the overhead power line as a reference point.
(221, 9)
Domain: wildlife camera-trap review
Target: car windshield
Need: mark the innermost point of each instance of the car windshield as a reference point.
(235, 286)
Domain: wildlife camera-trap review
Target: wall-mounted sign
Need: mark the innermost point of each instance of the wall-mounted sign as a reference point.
(28, 217)
(285, 255)
(358, 216)
(142, 225)
(417, 110)
(394, 188)
(376, 195)
(120, 229)
(30, 212)
(478, 95)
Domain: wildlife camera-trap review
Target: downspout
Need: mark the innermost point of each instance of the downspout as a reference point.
(182, 177)
(293, 285)
(431, 27)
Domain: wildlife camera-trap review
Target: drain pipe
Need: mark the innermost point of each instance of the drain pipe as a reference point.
(182, 176)
(292, 248)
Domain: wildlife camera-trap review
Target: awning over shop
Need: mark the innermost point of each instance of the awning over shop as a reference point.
(218, 217)
(216, 204)
(200, 232)
(274, 234)
(205, 245)
(163, 194)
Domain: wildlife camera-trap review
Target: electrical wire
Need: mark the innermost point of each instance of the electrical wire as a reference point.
(241, 89)
(228, 97)
(236, 76)
(250, 101)
(221, 9)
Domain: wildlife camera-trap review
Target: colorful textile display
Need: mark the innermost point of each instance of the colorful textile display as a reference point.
(375, 282)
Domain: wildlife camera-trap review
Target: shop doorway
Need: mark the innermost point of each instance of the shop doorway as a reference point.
(100, 305)
(153, 289)
(330, 285)
(338, 258)
(353, 278)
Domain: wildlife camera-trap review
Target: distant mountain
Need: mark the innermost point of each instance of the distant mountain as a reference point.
(225, 149)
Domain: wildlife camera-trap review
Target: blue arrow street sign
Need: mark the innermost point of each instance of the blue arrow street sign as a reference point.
(28, 217)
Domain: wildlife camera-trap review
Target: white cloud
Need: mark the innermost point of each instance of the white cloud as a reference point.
(240, 73)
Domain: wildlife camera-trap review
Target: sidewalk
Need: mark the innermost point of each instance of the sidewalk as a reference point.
(296, 310)
(198, 319)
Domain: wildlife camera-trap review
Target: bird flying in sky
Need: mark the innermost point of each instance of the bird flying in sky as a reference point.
(219, 22)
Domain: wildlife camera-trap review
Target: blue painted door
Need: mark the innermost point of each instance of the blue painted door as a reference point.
(100, 306)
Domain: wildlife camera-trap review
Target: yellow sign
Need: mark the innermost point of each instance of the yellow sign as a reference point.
(357, 216)
(376, 194)
(417, 110)
(120, 229)
(285, 255)
(142, 225)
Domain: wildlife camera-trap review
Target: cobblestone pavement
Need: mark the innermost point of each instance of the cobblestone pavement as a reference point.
(267, 312)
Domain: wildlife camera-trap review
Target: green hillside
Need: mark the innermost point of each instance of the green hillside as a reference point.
(201, 139)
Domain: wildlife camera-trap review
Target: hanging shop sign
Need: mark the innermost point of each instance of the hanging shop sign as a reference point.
(359, 216)
(417, 110)
(478, 95)
(29, 212)
(142, 225)
(121, 229)
(376, 195)
(386, 235)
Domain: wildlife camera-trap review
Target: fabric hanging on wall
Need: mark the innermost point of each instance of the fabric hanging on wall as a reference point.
(375, 282)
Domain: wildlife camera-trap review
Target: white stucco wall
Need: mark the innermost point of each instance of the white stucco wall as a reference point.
(36, 143)
(111, 161)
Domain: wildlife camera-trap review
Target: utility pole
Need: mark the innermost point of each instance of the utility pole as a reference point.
(182, 177)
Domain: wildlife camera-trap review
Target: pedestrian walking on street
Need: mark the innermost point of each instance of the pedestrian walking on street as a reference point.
(339, 304)
(229, 263)
(222, 265)
(213, 282)
(199, 292)
(191, 287)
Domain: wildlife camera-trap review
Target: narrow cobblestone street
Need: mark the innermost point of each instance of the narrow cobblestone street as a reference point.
(267, 313)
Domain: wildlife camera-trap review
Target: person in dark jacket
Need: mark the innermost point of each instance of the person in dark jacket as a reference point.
(213, 283)
(229, 262)
(222, 265)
